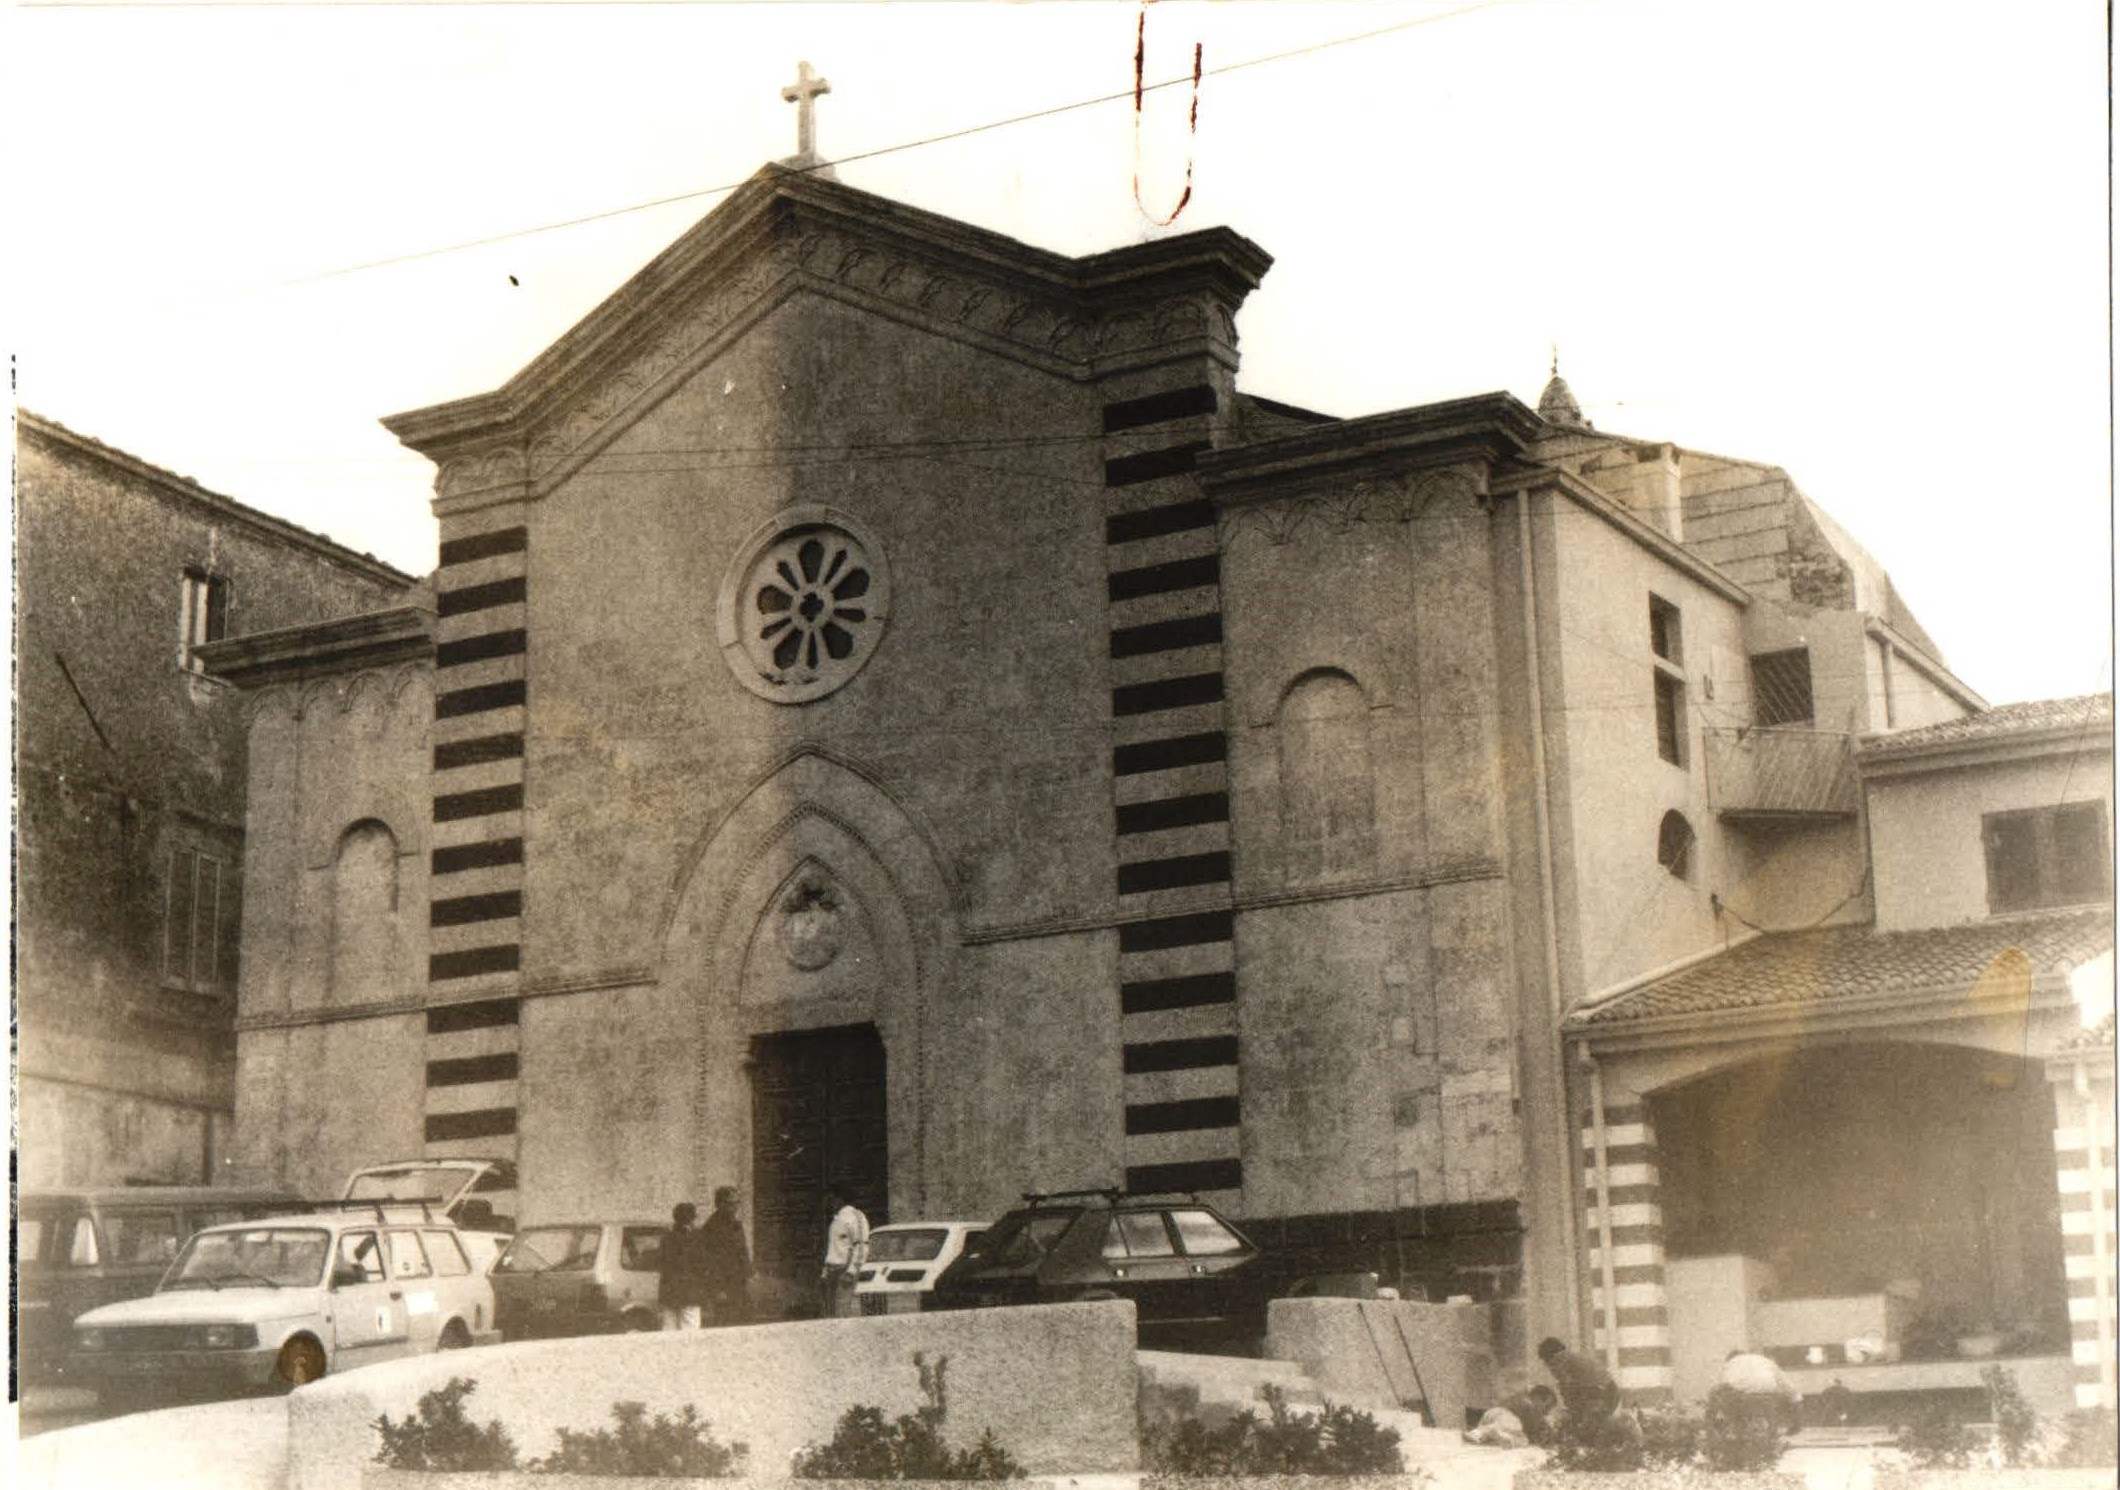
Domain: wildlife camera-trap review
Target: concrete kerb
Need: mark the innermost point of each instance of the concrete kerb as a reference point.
(1056, 1385)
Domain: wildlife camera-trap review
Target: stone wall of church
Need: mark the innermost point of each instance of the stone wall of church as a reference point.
(1374, 968)
(951, 787)
(330, 1068)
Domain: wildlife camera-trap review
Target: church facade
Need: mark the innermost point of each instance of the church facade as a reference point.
(890, 709)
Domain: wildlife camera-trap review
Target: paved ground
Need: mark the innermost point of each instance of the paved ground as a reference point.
(243, 1446)
(213, 1446)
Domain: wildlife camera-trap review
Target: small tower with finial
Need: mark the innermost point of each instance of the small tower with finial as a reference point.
(1557, 405)
(804, 92)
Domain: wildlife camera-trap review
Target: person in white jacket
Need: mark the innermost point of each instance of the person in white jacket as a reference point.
(846, 1248)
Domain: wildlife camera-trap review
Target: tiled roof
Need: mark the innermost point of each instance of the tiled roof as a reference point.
(1844, 963)
(2083, 711)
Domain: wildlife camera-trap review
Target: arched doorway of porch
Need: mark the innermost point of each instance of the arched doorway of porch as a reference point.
(1897, 1195)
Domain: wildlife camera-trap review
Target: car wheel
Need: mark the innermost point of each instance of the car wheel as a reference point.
(1094, 1296)
(301, 1361)
(454, 1336)
(638, 1321)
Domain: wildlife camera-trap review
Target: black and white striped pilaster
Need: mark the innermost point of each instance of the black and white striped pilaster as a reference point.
(475, 885)
(1170, 809)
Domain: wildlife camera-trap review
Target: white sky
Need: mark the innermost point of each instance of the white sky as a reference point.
(1864, 241)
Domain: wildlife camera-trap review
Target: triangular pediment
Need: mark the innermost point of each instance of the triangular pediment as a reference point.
(785, 233)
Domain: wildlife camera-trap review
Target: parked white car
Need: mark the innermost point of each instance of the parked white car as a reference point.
(288, 1299)
(905, 1258)
(477, 1194)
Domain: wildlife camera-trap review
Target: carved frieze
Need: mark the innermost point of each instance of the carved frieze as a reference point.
(1054, 328)
(343, 692)
(1401, 498)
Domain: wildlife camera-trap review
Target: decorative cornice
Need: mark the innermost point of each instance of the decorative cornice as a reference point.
(638, 975)
(1452, 873)
(782, 231)
(1399, 498)
(299, 653)
(341, 1014)
(1472, 433)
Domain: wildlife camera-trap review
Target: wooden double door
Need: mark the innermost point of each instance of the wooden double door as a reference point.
(818, 1114)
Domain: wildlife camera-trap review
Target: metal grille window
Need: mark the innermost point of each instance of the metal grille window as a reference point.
(1781, 687)
(195, 919)
(205, 615)
(2047, 856)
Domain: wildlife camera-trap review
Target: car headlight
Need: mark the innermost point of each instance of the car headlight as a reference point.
(89, 1339)
(225, 1336)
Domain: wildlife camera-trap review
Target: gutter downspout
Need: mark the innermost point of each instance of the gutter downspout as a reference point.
(1604, 1212)
(1543, 812)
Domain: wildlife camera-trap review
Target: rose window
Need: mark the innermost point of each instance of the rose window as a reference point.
(803, 605)
(811, 606)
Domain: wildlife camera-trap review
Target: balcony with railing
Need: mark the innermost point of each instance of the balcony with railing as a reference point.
(1781, 772)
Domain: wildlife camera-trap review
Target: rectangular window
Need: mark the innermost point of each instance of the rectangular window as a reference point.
(1667, 641)
(197, 917)
(2047, 856)
(205, 614)
(1781, 687)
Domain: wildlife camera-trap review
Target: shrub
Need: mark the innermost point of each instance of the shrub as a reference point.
(439, 1437)
(1617, 1445)
(2016, 1424)
(1934, 1439)
(2090, 1439)
(1338, 1440)
(636, 1444)
(865, 1447)
(1670, 1435)
(1741, 1432)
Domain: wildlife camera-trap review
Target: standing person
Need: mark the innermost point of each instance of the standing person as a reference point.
(679, 1287)
(846, 1247)
(725, 1261)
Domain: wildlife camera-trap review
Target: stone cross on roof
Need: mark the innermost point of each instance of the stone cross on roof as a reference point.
(803, 93)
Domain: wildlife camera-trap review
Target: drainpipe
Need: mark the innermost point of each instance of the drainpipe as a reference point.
(1604, 1210)
(1542, 810)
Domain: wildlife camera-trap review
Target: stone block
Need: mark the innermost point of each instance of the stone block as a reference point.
(1055, 1384)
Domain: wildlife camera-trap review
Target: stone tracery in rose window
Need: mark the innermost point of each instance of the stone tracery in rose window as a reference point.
(810, 607)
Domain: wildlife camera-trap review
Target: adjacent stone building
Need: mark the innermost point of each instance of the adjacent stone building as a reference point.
(891, 708)
(130, 780)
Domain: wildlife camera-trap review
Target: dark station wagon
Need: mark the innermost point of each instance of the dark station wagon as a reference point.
(1196, 1282)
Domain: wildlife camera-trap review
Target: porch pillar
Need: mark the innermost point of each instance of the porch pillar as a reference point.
(1631, 1330)
(2083, 1172)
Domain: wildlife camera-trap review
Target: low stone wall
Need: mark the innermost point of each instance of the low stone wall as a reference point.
(1377, 1353)
(1056, 1384)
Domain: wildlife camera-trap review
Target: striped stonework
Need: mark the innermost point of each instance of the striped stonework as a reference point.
(1636, 1225)
(1170, 799)
(475, 897)
(2083, 1173)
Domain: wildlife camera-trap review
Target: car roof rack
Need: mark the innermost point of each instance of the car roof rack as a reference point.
(1042, 1197)
(1190, 1197)
(430, 1212)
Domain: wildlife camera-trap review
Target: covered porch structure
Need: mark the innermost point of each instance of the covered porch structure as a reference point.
(1884, 1159)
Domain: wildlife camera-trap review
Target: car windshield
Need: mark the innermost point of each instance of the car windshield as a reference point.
(273, 1256)
(913, 1244)
(1022, 1238)
(548, 1249)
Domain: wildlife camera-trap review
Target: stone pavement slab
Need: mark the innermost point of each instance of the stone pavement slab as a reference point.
(211, 1446)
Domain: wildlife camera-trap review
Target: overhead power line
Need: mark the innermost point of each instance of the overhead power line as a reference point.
(1125, 95)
